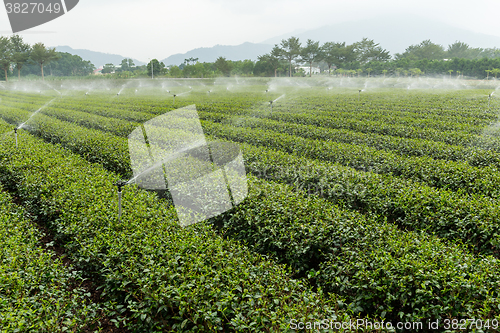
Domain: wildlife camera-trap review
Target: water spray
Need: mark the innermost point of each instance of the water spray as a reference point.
(120, 184)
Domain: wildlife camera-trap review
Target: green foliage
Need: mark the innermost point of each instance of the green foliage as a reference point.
(156, 275)
(155, 68)
(42, 55)
(410, 242)
(223, 66)
(37, 292)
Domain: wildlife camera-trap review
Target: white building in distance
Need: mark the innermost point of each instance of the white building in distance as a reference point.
(315, 70)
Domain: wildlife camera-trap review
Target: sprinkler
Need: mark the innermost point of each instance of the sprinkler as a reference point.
(209, 92)
(174, 98)
(118, 94)
(15, 132)
(120, 184)
(359, 94)
(267, 90)
(86, 94)
(271, 103)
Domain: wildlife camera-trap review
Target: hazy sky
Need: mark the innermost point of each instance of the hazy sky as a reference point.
(158, 28)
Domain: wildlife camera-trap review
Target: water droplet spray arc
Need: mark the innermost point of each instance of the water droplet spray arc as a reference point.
(170, 153)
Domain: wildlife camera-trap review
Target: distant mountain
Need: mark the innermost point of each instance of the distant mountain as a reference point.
(230, 52)
(97, 58)
(394, 33)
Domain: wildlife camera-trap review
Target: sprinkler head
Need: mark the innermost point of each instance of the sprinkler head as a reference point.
(120, 184)
(175, 95)
(15, 130)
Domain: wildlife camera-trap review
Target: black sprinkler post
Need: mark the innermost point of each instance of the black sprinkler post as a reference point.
(15, 132)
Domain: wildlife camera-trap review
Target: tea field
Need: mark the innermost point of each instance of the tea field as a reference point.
(370, 202)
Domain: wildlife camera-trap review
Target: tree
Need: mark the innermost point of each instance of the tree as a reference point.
(192, 60)
(247, 66)
(415, 72)
(368, 71)
(224, 66)
(384, 71)
(330, 54)
(495, 71)
(488, 71)
(108, 69)
(5, 55)
(337, 54)
(127, 65)
(463, 50)
(424, 50)
(42, 56)
(367, 50)
(175, 71)
(71, 65)
(20, 53)
(155, 67)
(290, 50)
(271, 60)
(310, 53)
(450, 71)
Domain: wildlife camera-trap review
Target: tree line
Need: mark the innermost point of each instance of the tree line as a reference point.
(367, 57)
(18, 56)
(363, 58)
